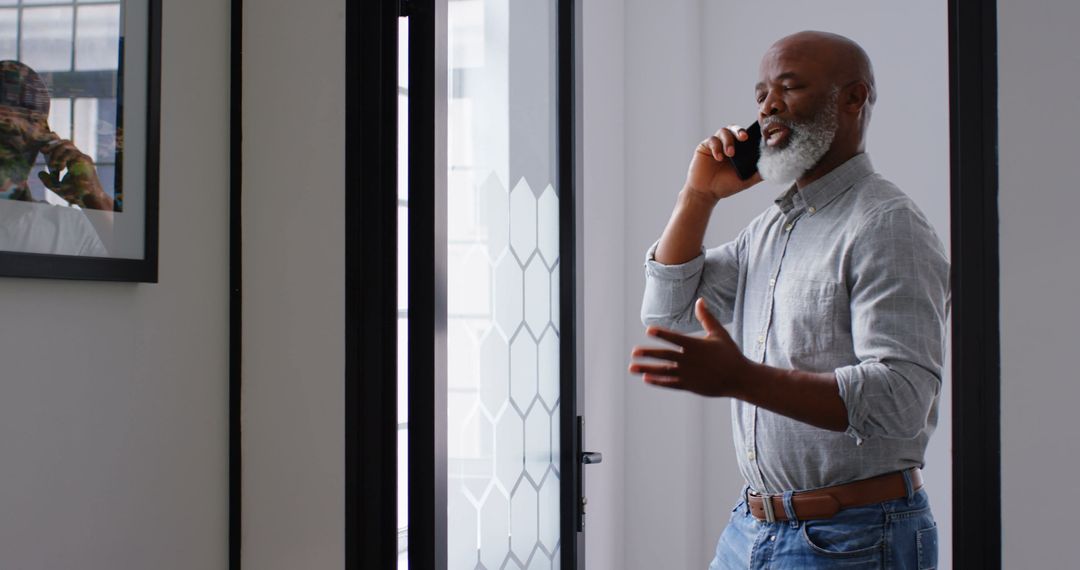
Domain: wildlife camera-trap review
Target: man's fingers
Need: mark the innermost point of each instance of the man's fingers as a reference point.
(670, 336)
(47, 179)
(658, 353)
(708, 321)
(663, 381)
(668, 370)
(728, 136)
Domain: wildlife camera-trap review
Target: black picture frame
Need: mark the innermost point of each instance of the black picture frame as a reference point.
(144, 269)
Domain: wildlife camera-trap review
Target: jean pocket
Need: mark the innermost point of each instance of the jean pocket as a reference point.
(845, 541)
(926, 544)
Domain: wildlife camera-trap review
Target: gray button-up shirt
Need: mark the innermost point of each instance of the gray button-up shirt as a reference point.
(844, 276)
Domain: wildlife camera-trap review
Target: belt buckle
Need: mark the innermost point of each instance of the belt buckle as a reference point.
(766, 503)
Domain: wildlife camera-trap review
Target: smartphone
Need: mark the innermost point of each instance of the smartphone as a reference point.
(747, 152)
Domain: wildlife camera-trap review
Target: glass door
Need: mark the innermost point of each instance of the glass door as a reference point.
(461, 398)
(503, 281)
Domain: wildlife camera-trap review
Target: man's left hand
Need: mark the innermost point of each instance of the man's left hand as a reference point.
(80, 185)
(710, 366)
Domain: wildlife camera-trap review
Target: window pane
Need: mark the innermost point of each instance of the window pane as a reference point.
(9, 33)
(403, 301)
(46, 38)
(97, 37)
(403, 52)
(403, 147)
(106, 131)
(60, 117)
(85, 125)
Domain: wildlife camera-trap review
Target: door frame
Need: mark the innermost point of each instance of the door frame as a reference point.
(976, 339)
(371, 289)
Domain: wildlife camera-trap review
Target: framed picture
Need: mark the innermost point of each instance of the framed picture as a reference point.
(79, 148)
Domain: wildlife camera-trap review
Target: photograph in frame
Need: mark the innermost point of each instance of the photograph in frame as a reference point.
(79, 85)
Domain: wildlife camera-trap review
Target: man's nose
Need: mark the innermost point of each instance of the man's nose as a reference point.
(771, 105)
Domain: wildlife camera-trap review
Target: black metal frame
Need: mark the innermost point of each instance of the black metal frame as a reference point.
(571, 488)
(236, 274)
(14, 264)
(427, 283)
(976, 366)
(371, 286)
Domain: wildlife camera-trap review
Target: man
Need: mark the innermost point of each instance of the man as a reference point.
(31, 226)
(836, 300)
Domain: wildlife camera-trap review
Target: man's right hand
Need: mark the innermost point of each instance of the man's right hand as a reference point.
(711, 173)
(710, 178)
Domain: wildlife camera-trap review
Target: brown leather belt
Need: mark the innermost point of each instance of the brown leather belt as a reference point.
(826, 502)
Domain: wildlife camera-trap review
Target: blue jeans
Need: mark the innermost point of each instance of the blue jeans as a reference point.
(898, 534)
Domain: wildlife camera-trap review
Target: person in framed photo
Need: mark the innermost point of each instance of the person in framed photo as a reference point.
(43, 226)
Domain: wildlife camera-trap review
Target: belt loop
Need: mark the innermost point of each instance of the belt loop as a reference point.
(790, 509)
(746, 499)
(907, 485)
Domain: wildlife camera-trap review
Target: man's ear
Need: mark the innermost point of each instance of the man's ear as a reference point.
(855, 96)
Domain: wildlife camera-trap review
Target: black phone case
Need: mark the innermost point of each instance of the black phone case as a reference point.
(747, 152)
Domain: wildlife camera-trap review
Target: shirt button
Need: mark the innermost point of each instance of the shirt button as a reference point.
(761, 339)
(772, 281)
(812, 209)
(787, 227)
(751, 455)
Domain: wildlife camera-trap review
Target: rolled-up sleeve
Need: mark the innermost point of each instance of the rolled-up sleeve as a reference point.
(670, 290)
(898, 275)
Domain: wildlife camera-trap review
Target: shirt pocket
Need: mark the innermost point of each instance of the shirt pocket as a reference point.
(812, 317)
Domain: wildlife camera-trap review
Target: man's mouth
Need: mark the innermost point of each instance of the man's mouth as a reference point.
(775, 134)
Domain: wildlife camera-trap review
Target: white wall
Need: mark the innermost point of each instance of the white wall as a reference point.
(665, 433)
(689, 69)
(113, 419)
(294, 238)
(1038, 124)
(602, 191)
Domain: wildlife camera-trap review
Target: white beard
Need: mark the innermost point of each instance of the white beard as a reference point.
(808, 143)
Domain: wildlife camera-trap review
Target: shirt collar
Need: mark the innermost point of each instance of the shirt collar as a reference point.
(823, 190)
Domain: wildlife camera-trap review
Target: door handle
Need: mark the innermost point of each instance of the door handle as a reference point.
(591, 457)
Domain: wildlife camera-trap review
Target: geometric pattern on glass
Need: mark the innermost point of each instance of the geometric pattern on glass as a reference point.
(503, 466)
(502, 287)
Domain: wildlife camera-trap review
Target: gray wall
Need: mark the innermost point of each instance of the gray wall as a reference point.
(114, 436)
(1037, 88)
(294, 239)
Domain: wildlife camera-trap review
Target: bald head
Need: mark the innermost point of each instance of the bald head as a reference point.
(845, 60)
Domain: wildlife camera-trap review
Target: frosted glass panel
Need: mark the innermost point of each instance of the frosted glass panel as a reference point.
(502, 284)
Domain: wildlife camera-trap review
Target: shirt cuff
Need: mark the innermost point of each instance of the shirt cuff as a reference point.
(847, 384)
(676, 272)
